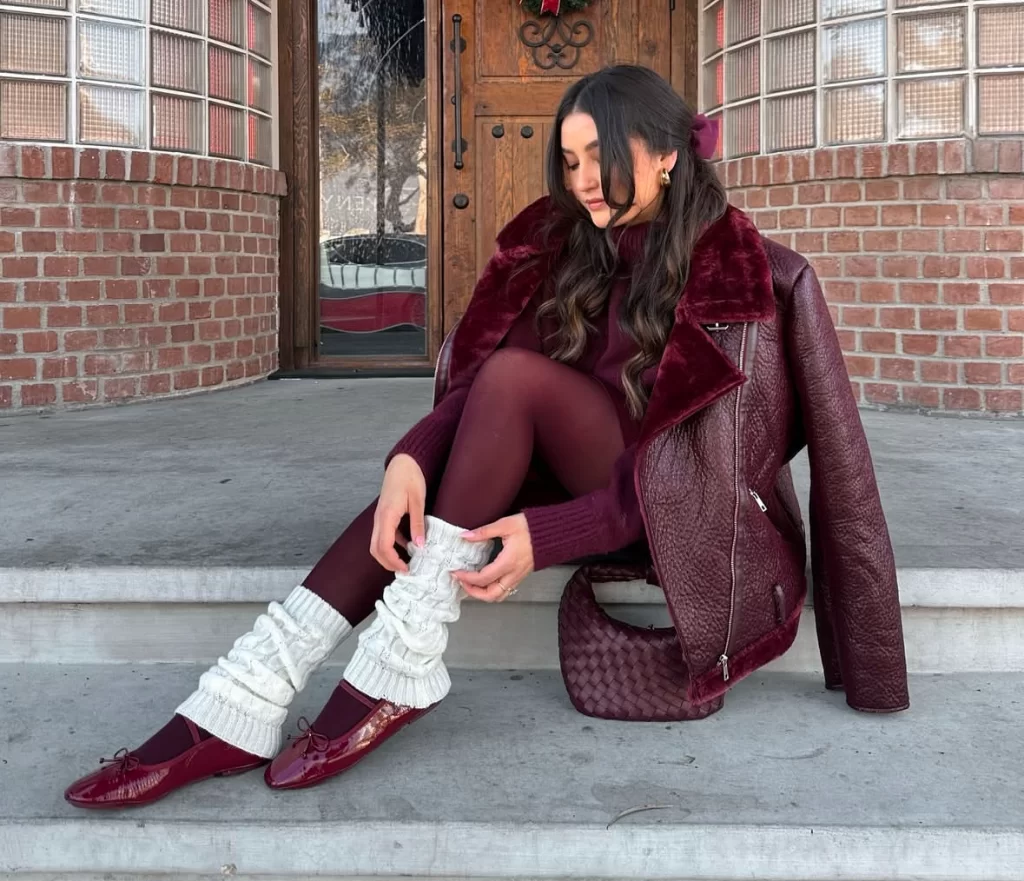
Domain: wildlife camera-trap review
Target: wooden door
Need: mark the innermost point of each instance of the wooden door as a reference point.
(506, 94)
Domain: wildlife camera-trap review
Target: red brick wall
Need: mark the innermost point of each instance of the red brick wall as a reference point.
(920, 252)
(132, 274)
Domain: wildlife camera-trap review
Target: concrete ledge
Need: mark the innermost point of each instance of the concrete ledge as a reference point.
(505, 780)
(520, 635)
(954, 620)
(926, 588)
(523, 851)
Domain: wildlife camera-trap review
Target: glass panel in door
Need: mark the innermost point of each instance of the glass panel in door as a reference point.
(373, 189)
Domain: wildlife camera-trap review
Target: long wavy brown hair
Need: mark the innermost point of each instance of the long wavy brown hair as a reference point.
(627, 102)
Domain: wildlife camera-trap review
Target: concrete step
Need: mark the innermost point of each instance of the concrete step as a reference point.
(955, 620)
(506, 780)
(157, 532)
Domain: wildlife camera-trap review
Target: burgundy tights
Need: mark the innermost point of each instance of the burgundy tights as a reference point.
(523, 409)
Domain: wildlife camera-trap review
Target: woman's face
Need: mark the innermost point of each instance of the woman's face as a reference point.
(582, 156)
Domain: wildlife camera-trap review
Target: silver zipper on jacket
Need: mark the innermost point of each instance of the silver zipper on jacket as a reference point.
(760, 504)
(723, 660)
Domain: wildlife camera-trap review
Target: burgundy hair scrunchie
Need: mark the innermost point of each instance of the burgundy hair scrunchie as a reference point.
(704, 136)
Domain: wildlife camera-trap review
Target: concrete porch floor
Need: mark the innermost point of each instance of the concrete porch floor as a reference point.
(171, 520)
(505, 780)
(269, 475)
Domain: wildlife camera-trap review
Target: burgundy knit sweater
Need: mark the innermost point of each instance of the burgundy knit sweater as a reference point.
(602, 521)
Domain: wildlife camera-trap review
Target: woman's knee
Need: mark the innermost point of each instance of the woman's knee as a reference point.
(512, 369)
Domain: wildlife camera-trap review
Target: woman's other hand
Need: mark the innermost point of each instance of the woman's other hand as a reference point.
(499, 580)
(404, 491)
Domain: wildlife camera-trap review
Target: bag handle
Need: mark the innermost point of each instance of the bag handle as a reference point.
(605, 573)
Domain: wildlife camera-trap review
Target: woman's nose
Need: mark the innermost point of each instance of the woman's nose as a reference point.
(590, 177)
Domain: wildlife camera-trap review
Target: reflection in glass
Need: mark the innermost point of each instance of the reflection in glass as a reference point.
(178, 123)
(372, 271)
(714, 29)
(182, 15)
(791, 61)
(1000, 37)
(112, 52)
(743, 72)
(177, 62)
(855, 114)
(784, 14)
(109, 116)
(1001, 104)
(714, 83)
(743, 130)
(33, 111)
(113, 8)
(790, 122)
(930, 42)
(227, 131)
(854, 51)
(33, 44)
(932, 108)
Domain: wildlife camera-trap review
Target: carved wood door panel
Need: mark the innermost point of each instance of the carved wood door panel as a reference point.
(504, 72)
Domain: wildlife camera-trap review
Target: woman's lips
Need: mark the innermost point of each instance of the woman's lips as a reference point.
(594, 204)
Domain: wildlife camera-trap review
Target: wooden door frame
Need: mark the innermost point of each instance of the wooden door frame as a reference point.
(299, 331)
(685, 49)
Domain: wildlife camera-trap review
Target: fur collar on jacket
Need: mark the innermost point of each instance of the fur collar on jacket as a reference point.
(730, 281)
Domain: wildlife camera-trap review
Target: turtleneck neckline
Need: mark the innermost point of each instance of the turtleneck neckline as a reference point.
(631, 241)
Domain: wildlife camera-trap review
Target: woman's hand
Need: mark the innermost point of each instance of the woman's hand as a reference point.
(497, 581)
(404, 491)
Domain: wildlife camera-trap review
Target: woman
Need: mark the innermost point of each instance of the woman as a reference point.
(635, 370)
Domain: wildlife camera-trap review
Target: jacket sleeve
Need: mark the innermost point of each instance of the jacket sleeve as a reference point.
(856, 600)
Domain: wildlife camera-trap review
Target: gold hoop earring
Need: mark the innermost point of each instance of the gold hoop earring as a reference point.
(666, 181)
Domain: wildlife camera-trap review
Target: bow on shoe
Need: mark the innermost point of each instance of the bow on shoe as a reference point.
(126, 760)
(319, 742)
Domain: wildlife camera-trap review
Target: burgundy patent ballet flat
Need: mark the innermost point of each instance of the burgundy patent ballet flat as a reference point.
(124, 781)
(313, 757)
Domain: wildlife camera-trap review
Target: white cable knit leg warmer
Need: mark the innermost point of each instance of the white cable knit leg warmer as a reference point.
(244, 698)
(399, 654)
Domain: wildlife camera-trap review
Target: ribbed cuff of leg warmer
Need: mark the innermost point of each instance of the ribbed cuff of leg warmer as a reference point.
(376, 681)
(240, 715)
(217, 709)
(317, 616)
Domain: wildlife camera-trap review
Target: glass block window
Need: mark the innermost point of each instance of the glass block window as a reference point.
(790, 122)
(853, 51)
(1000, 104)
(855, 114)
(811, 73)
(33, 111)
(930, 42)
(190, 76)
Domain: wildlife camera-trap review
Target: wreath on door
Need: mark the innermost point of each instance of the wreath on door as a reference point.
(554, 7)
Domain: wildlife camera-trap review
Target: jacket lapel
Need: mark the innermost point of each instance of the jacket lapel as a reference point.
(507, 284)
(730, 281)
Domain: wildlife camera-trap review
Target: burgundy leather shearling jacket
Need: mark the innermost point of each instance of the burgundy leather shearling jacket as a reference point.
(752, 374)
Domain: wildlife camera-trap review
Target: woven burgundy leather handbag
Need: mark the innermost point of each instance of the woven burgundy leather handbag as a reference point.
(615, 670)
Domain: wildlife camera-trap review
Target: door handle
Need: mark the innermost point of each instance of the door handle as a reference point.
(458, 46)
